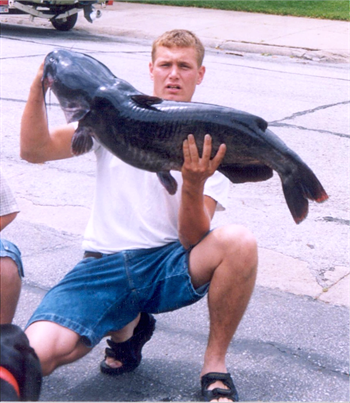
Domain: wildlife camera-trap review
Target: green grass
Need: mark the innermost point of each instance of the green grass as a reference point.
(327, 9)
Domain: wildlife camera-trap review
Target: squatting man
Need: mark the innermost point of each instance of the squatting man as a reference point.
(173, 257)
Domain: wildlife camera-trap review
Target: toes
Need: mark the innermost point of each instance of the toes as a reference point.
(113, 363)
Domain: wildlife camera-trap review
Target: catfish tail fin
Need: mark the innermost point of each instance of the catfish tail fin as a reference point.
(300, 187)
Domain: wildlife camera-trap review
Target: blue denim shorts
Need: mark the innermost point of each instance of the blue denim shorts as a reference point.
(104, 294)
(9, 249)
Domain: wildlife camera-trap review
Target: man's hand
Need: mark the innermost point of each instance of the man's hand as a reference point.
(196, 170)
(37, 142)
(37, 83)
(197, 210)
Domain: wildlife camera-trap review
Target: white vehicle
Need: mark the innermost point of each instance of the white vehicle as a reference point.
(63, 14)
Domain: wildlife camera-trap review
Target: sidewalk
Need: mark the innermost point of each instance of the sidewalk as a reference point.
(231, 31)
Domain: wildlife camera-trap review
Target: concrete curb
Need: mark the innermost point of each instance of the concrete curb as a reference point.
(315, 55)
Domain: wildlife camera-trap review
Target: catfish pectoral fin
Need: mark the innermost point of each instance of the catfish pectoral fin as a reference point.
(167, 181)
(240, 173)
(81, 141)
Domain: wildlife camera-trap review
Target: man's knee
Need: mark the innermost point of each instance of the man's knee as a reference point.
(240, 246)
(11, 284)
(9, 271)
(237, 237)
(52, 344)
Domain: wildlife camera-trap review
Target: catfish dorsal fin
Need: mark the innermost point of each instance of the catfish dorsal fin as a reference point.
(146, 101)
(262, 124)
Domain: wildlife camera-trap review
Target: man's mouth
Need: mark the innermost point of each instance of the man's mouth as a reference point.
(173, 87)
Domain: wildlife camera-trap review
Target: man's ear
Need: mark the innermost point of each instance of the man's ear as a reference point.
(201, 73)
(151, 70)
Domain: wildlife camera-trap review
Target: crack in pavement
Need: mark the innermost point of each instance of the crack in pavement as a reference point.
(309, 129)
(280, 122)
(341, 221)
(308, 357)
(308, 111)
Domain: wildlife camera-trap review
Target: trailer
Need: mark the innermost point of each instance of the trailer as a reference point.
(62, 14)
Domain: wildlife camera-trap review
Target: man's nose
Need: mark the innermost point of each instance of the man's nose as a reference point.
(174, 72)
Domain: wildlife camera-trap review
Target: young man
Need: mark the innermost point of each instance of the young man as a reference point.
(154, 251)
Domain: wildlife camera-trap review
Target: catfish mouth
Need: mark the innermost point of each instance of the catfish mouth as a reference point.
(74, 104)
(47, 82)
(48, 77)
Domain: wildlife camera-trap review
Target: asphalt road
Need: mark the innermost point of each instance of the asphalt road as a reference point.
(293, 344)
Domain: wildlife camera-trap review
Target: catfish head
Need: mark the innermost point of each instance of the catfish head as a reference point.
(74, 78)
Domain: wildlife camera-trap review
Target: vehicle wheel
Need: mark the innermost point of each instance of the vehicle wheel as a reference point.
(65, 24)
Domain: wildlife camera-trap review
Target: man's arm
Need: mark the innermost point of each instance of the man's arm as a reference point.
(196, 209)
(37, 143)
(6, 219)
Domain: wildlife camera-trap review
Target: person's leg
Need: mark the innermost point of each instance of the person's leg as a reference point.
(55, 345)
(10, 289)
(71, 320)
(119, 337)
(227, 258)
(124, 351)
(61, 346)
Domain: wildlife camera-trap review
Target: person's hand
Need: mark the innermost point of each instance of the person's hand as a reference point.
(196, 170)
(37, 82)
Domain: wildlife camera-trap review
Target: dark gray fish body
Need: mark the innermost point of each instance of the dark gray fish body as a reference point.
(148, 132)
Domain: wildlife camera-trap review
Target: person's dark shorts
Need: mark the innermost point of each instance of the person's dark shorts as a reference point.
(9, 249)
(104, 294)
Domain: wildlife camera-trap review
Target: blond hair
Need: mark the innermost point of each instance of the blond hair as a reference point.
(182, 39)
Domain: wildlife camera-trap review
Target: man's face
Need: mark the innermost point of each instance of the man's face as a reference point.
(175, 73)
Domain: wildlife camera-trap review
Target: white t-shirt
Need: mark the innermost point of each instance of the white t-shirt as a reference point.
(8, 203)
(133, 210)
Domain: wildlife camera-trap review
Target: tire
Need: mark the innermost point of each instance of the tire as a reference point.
(65, 24)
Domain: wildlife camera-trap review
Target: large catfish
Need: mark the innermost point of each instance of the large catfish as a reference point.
(148, 132)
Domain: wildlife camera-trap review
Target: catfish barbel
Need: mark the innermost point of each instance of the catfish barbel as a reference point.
(147, 132)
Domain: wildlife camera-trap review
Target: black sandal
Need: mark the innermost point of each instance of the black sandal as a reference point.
(129, 351)
(216, 393)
